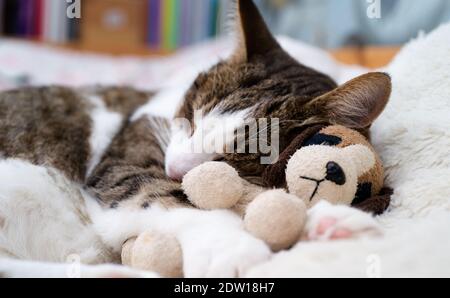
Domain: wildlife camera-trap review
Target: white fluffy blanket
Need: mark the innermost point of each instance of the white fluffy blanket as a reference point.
(413, 138)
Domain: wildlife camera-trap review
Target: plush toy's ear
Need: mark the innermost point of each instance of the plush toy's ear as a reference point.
(254, 36)
(356, 104)
(376, 205)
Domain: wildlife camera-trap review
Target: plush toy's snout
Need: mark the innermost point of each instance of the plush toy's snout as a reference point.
(330, 173)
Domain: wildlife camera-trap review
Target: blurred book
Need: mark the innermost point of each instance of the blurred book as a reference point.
(38, 19)
(176, 23)
(167, 25)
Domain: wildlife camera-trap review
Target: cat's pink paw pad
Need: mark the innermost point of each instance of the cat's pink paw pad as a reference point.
(326, 228)
(328, 222)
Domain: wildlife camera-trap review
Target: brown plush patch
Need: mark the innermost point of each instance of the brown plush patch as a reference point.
(377, 204)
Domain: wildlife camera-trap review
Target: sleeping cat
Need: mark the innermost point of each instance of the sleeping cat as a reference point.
(83, 170)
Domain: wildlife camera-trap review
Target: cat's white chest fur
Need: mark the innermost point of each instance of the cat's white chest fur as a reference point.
(105, 125)
(44, 216)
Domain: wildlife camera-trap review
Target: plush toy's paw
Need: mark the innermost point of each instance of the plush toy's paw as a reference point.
(155, 252)
(276, 217)
(213, 185)
(331, 222)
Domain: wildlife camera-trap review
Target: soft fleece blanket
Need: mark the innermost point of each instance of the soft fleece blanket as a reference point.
(412, 137)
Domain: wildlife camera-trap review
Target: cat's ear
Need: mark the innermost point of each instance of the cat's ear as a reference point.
(253, 33)
(356, 104)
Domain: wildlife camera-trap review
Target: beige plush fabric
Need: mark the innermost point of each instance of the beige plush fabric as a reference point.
(276, 217)
(155, 252)
(214, 192)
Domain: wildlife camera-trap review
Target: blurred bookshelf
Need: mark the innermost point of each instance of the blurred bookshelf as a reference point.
(142, 27)
(137, 27)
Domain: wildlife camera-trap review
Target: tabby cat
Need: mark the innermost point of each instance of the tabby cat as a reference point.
(83, 170)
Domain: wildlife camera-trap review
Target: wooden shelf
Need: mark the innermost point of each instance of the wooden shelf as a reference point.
(371, 57)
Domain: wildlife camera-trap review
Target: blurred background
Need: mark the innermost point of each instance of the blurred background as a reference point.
(162, 26)
(338, 23)
(365, 33)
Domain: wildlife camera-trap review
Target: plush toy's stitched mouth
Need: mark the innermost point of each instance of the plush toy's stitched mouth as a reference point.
(317, 185)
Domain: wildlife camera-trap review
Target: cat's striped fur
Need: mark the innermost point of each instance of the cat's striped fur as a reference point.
(132, 171)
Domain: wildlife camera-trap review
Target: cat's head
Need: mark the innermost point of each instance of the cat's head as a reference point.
(260, 80)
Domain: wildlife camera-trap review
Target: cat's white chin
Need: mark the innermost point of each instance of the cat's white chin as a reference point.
(181, 157)
(214, 135)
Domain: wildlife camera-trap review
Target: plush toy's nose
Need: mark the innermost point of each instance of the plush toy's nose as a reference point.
(335, 173)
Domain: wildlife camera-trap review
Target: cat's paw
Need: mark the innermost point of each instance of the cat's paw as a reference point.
(228, 257)
(113, 271)
(223, 255)
(330, 222)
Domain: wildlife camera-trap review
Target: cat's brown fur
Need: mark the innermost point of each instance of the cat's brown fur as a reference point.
(131, 172)
(123, 100)
(47, 126)
(51, 125)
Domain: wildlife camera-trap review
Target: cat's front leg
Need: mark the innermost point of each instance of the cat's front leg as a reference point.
(332, 222)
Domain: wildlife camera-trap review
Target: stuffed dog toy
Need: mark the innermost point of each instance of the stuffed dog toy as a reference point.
(331, 163)
(370, 196)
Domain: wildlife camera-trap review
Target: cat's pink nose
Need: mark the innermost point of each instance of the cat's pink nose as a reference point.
(178, 166)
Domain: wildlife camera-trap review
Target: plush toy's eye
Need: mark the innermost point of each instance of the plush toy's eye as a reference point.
(323, 139)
